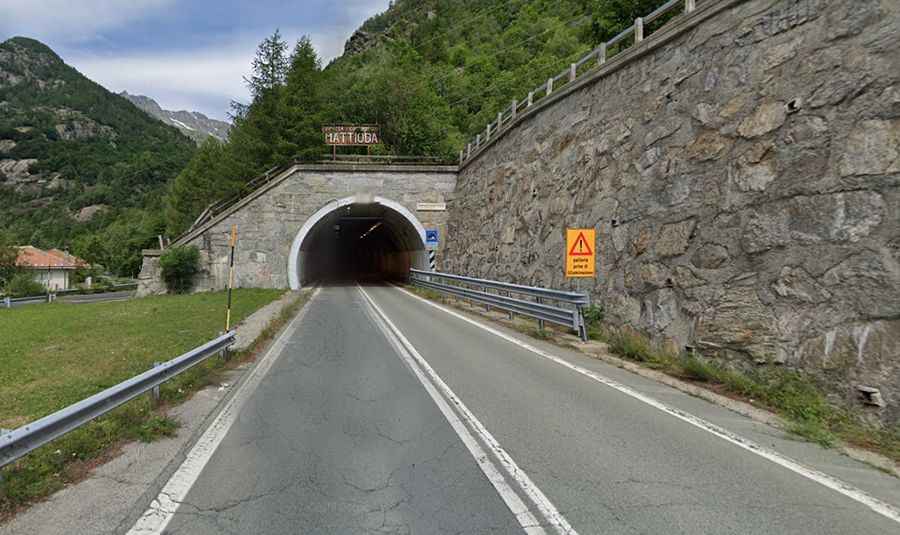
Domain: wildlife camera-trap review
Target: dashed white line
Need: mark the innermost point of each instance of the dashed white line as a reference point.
(444, 397)
(883, 508)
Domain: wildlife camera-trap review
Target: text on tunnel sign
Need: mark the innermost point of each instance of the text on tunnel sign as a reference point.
(580, 252)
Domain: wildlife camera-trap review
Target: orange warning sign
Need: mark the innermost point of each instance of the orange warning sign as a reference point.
(580, 247)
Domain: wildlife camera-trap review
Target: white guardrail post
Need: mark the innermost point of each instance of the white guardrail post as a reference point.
(7, 301)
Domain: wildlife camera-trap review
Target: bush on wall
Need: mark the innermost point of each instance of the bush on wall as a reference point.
(179, 265)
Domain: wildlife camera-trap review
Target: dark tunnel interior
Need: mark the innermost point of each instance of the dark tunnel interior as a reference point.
(360, 242)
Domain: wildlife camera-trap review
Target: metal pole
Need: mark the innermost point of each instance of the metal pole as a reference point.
(230, 277)
(540, 322)
(154, 392)
(602, 54)
(638, 30)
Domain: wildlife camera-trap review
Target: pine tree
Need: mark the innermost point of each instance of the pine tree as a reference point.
(269, 66)
(302, 106)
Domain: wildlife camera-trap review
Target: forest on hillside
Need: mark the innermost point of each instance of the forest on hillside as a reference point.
(88, 147)
(431, 73)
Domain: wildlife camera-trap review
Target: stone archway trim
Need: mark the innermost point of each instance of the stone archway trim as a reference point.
(294, 256)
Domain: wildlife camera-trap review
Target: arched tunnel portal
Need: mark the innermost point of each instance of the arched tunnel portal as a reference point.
(361, 238)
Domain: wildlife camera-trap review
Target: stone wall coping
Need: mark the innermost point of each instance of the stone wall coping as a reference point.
(376, 168)
(660, 37)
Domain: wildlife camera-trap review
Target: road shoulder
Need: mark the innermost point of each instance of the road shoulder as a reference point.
(104, 502)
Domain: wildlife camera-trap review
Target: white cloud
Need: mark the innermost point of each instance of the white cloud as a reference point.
(198, 80)
(71, 20)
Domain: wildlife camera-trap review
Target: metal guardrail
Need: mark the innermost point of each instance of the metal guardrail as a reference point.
(594, 59)
(23, 440)
(8, 302)
(569, 315)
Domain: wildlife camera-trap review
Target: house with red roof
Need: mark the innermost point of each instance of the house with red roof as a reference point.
(52, 268)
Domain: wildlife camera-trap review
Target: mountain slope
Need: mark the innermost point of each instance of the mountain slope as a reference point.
(73, 156)
(193, 124)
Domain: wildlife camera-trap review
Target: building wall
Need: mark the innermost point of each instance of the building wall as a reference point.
(742, 169)
(270, 218)
(54, 279)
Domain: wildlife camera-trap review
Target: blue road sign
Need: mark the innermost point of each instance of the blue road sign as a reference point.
(431, 236)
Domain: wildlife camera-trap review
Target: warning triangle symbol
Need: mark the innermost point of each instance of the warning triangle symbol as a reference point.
(581, 247)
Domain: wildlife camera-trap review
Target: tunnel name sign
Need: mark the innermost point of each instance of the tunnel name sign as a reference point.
(351, 135)
(580, 252)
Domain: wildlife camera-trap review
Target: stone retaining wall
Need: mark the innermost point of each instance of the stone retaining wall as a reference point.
(741, 167)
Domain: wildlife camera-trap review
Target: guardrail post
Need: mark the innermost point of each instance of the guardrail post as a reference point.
(540, 300)
(487, 134)
(582, 328)
(602, 54)
(549, 85)
(478, 140)
(499, 120)
(154, 392)
(461, 152)
(515, 106)
(7, 301)
(638, 30)
(3, 432)
(468, 151)
(530, 99)
(690, 6)
(573, 72)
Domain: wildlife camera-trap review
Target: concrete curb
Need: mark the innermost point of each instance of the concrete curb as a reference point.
(600, 351)
(253, 325)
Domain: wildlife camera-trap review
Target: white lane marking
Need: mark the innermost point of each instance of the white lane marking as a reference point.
(163, 508)
(881, 507)
(443, 399)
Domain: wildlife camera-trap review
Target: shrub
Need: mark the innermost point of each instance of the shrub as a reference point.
(698, 369)
(23, 285)
(593, 315)
(179, 265)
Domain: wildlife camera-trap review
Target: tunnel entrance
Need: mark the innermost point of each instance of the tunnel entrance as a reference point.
(366, 240)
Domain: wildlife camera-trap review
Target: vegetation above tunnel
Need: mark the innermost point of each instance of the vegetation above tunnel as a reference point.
(431, 73)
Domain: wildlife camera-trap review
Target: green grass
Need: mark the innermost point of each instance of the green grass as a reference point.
(55, 355)
(791, 394)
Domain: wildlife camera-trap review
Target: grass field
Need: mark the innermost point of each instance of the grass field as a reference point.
(54, 355)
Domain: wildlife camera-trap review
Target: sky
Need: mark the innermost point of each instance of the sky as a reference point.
(185, 54)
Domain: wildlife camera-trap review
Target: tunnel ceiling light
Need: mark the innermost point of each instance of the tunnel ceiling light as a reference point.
(366, 233)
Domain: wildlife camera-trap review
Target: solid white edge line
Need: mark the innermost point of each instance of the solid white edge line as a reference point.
(163, 508)
(881, 507)
(417, 363)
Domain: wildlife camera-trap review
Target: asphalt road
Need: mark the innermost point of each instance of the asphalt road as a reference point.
(349, 433)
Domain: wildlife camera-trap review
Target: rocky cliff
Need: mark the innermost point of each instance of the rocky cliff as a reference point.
(193, 124)
(742, 169)
(70, 149)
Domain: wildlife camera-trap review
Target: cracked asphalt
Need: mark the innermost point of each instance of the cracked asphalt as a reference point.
(341, 438)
